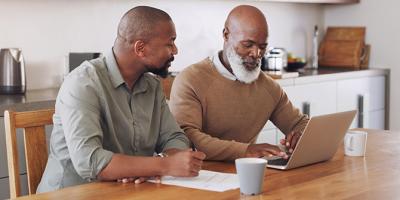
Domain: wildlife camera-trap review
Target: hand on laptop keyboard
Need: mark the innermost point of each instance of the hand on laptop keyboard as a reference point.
(275, 157)
(291, 140)
(267, 150)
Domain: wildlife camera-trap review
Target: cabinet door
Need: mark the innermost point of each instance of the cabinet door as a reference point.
(317, 98)
(269, 125)
(3, 151)
(279, 136)
(267, 136)
(377, 119)
(367, 95)
(5, 187)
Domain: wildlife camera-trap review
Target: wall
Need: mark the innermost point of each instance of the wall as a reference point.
(46, 30)
(381, 19)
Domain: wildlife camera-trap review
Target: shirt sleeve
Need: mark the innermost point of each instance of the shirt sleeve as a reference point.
(187, 108)
(171, 135)
(79, 109)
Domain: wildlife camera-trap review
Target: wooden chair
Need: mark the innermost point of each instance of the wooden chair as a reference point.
(33, 123)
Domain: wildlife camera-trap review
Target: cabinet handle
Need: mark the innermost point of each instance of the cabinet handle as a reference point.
(306, 108)
(360, 100)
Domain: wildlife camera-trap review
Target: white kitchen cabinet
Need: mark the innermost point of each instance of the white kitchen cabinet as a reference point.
(5, 187)
(319, 97)
(3, 151)
(377, 119)
(336, 93)
(269, 125)
(279, 136)
(267, 136)
(366, 95)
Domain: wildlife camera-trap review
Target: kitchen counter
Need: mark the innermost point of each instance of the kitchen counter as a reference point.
(45, 98)
(31, 100)
(341, 71)
(328, 74)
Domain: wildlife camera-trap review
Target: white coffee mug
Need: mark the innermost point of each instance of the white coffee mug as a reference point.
(355, 143)
(251, 174)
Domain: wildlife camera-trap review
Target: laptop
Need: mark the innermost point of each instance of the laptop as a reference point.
(319, 141)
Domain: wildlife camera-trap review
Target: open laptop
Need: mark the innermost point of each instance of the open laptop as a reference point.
(319, 141)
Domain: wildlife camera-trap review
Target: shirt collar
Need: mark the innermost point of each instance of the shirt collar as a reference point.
(221, 68)
(113, 69)
(141, 84)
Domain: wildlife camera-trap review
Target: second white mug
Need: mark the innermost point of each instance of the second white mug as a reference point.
(355, 143)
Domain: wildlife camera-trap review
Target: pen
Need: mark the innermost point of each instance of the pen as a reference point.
(193, 147)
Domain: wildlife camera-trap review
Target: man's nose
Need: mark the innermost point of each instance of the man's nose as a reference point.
(256, 52)
(174, 50)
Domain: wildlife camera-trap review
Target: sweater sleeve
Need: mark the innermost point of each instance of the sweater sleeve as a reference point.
(186, 106)
(285, 116)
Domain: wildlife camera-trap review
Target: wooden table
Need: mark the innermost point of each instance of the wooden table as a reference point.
(375, 176)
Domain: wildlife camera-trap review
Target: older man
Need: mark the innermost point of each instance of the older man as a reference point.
(111, 116)
(223, 101)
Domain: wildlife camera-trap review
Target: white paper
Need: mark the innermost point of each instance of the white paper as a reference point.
(207, 180)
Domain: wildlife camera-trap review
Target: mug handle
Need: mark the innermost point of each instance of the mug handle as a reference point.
(348, 142)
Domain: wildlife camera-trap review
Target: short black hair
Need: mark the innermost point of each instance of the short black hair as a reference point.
(140, 22)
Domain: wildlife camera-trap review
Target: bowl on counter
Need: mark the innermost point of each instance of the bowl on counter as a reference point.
(294, 66)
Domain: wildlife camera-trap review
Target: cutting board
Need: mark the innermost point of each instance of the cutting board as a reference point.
(345, 33)
(342, 47)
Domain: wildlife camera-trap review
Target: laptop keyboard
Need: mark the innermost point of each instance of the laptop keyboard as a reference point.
(279, 162)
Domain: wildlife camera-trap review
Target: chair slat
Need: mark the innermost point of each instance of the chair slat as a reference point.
(34, 118)
(12, 154)
(35, 154)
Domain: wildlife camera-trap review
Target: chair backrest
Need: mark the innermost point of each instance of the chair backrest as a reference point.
(33, 124)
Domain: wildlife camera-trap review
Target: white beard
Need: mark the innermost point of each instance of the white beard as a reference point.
(239, 70)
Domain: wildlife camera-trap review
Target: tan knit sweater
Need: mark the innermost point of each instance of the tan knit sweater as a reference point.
(222, 116)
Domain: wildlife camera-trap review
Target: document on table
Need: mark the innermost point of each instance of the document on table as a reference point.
(207, 180)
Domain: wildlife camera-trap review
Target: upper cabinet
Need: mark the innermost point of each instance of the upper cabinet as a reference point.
(317, 1)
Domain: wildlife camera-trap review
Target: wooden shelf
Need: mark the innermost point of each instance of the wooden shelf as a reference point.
(317, 1)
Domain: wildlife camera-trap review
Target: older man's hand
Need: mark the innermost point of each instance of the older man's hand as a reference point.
(264, 150)
(291, 140)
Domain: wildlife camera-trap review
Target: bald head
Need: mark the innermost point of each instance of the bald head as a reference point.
(140, 23)
(245, 42)
(246, 18)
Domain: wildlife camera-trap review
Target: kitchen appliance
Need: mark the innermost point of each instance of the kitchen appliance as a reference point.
(12, 71)
(76, 58)
(275, 59)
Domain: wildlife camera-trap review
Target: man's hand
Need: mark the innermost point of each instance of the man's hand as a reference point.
(186, 163)
(291, 140)
(261, 150)
(139, 180)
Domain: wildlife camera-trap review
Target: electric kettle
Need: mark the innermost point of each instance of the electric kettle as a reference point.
(12, 71)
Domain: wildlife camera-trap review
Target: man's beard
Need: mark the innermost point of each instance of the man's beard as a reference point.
(239, 70)
(162, 72)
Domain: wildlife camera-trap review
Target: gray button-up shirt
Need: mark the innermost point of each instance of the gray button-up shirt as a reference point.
(97, 115)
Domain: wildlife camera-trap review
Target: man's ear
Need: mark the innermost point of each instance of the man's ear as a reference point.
(225, 34)
(138, 48)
